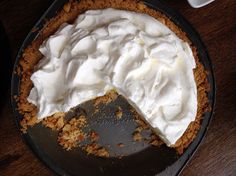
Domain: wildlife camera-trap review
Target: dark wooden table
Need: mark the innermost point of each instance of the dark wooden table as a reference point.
(216, 24)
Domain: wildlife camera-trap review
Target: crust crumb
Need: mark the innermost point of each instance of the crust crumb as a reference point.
(55, 122)
(120, 145)
(119, 113)
(155, 140)
(82, 121)
(67, 7)
(71, 134)
(108, 98)
(96, 150)
(137, 136)
(94, 136)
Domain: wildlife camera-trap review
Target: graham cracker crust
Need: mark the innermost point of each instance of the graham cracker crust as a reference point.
(69, 131)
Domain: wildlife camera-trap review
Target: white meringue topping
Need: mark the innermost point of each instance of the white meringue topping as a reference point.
(130, 52)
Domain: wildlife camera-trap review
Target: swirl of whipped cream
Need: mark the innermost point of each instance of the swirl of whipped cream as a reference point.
(130, 52)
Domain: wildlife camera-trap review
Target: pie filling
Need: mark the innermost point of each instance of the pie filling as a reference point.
(131, 53)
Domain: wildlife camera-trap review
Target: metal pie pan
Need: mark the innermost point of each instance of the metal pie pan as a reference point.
(139, 158)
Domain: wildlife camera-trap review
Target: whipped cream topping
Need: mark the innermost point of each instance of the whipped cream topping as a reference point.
(133, 53)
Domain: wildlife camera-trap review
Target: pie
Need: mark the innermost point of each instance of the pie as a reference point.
(97, 50)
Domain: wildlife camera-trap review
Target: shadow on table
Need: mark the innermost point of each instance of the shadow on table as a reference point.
(5, 67)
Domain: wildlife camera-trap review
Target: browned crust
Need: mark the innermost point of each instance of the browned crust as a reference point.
(71, 133)
(70, 11)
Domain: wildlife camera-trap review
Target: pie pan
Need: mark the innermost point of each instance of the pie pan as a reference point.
(138, 158)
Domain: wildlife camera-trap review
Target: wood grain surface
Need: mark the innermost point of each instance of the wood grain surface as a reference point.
(216, 24)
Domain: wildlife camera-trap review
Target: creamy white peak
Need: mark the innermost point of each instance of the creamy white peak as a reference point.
(114, 49)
